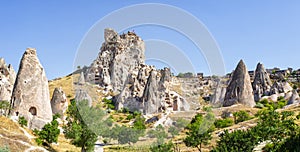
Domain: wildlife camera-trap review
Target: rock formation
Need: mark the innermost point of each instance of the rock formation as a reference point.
(59, 103)
(120, 69)
(81, 80)
(30, 97)
(119, 55)
(219, 94)
(294, 98)
(7, 80)
(239, 89)
(280, 87)
(262, 83)
(82, 95)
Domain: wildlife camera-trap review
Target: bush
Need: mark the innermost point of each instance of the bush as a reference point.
(4, 149)
(22, 121)
(259, 105)
(222, 123)
(165, 147)
(49, 133)
(109, 103)
(241, 116)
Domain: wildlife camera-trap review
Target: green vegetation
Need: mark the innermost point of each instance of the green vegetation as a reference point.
(199, 131)
(4, 149)
(85, 124)
(223, 123)
(22, 121)
(265, 104)
(49, 133)
(109, 103)
(160, 134)
(241, 116)
(185, 75)
(279, 128)
(4, 107)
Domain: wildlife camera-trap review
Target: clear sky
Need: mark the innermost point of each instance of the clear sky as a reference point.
(255, 31)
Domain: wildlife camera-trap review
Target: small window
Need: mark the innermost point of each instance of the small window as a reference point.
(33, 111)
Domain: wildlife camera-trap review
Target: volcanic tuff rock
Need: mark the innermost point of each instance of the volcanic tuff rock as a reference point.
(219, 94)
(81, 80)
(239, 89)
(119, 55)
(30, 97)
(262, 83)
(280, 87)
(59, 103)
(294, 97)
(7, 80)
(81, 95)
(120, 69)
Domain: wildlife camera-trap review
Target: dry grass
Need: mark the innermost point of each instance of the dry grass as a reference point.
(64, 145)
(66, 83)
(10, 134)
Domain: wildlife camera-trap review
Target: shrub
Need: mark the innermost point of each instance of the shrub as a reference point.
(49, 133)
(4, 149)
(241, 116)
(222, 123)
(22, 121)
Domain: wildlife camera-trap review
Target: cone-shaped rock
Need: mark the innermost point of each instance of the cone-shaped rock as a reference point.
(30, 96)
(83, 95)
(81, 79)
(59, 103)
(262, 83)
(7, 80)
(239, 89)
(294, 97)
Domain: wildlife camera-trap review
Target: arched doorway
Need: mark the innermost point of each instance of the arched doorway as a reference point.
(33, 111)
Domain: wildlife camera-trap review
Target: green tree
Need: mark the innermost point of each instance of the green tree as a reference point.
(85, 124)
(271, 125)
(160, 134)
(49, 133)
(22, 121)
(199, 131)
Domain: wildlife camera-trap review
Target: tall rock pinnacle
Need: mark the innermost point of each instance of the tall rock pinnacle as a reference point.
(239, 89)
(30, 97)
(262, 83)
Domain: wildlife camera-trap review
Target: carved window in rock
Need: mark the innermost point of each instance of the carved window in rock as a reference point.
(33, 111)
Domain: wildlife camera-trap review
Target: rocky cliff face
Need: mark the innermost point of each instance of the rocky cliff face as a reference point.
(30, 97)
(262, 83)
(7, 80)
(59, 103)
(120, 69)
(118, 56)
(239, 89)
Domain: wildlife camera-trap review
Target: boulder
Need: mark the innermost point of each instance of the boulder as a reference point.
(239, 89)
(59, 103)
(30, 97)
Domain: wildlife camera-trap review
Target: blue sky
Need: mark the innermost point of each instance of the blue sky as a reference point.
(255, 31)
